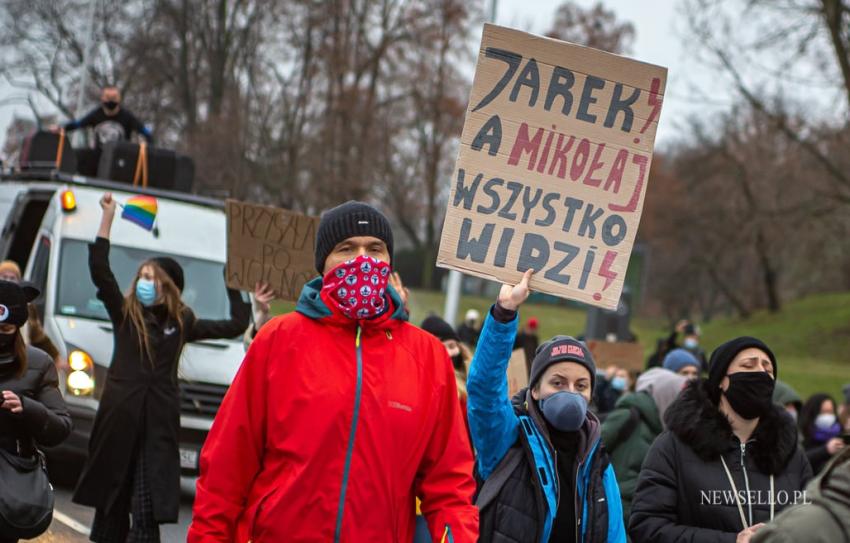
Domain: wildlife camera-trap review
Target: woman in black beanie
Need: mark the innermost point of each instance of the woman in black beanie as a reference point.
(32, 415)
(729, 460)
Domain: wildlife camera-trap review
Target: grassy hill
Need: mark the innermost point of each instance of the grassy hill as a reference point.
(810, 337)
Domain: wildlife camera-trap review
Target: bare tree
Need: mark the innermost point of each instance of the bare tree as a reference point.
(417, 167)
(595, 27)
(42, 45)
(788, 45)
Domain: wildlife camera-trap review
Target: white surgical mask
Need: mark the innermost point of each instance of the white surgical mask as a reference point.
(825, 421)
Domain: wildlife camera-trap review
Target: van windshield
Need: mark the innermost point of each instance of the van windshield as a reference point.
(76, 294)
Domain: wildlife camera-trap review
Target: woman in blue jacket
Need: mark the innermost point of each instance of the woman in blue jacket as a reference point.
(544, 473)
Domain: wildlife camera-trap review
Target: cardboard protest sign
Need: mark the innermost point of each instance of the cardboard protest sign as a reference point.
(553, 166)
(269, 244)
(517, 372)
(625, 355)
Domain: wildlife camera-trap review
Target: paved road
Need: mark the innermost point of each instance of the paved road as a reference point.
(71, 522)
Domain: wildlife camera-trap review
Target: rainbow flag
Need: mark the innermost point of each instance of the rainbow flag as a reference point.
(140, 210)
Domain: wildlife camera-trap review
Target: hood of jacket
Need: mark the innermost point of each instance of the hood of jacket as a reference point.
(645, 406)
(834, 483)
(699, 423)
(783, 394)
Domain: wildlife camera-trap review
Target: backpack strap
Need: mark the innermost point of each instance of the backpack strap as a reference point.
(494, 483)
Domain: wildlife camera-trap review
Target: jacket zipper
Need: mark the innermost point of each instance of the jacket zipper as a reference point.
(746, 481)
(575, 502)
(557, 477)
(350, 449)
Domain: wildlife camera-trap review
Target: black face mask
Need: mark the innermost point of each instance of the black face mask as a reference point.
(457, 362)
(7, 343)
(110, 105)
(750, 393)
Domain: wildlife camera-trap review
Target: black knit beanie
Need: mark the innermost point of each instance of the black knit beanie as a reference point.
(722, 357)
(347, 221)
(439, 328)
(14, 298)
(561, 349)
(172, 269)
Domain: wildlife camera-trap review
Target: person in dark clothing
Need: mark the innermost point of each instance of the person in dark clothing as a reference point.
(785, 396)
(459, 354)
(544, 473)
(630, 429)
(729, 460)
(32, 411)
(610, 388)
(133, 463)
(528, 341)
(690, 342)
(469, 329)
(110, 121)
(443, 331)
(10, 271)
(820, 430)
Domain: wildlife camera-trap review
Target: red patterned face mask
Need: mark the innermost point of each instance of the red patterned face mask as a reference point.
(358, 287)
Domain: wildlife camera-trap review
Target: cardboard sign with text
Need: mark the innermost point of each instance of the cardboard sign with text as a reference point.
(553, 166)
(625, 355)
(270, 244)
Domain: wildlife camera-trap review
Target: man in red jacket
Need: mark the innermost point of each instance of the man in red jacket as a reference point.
(341, 414)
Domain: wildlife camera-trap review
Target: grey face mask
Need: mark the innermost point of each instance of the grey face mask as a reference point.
(564, 410)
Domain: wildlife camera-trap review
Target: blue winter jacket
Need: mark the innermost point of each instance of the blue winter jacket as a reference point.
(496, 425)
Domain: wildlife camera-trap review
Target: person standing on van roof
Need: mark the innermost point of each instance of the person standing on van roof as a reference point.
(10, 271)
(110, 121)
(133, 464)
(341, 415)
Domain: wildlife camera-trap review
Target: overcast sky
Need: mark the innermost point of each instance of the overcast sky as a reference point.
(657, 41)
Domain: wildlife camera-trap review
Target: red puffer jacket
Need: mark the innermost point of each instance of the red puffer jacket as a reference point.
(330, 431)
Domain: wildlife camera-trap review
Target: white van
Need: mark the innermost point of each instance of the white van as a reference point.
(48, 220)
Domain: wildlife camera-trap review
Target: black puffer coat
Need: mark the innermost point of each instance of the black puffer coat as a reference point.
(44, 419)
(683, 492)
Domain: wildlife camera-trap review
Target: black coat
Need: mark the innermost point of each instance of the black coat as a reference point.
(44, 419)
(140, 404)
(817, 454)
(677, 492)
